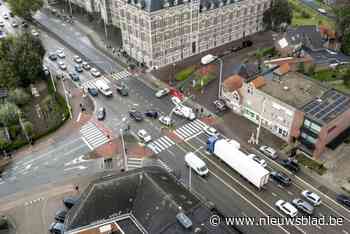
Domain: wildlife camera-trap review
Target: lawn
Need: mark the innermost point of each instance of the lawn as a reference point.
(311, 164)
(304, 15)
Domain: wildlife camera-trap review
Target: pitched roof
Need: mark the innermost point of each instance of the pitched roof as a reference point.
(233, 83)
(259, 82)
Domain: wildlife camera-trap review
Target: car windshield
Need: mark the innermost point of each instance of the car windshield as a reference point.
(203, 168)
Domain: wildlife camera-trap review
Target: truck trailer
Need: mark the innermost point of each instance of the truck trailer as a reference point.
(229, 152)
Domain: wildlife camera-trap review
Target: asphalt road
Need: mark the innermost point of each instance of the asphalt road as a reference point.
(230, 192)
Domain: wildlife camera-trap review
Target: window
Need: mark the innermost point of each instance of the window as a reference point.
(250, 89)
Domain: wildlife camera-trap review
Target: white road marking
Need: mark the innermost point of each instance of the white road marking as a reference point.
(345, 232)
(78, 119)
(28, 166)
(77, 167)
(290, 193)
(274, 194)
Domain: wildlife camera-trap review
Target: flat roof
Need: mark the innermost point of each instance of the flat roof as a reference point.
(292, 88)
(328, 107)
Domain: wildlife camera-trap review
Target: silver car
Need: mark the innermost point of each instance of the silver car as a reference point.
(303, 206)
(268, 151)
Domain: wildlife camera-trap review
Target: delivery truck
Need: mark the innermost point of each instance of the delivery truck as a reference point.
(229, 152)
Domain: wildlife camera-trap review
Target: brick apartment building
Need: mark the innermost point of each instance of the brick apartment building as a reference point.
(161, 32)
(291, 107)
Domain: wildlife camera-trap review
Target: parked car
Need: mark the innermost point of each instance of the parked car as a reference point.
(176, 100)
(290, 165)
(25, 25)
(14, 24)
(62, 66)
(286, 208)
(56, 228)
(281, 178)
(11, 14)
(311, 197)
(78, 68)
(70, 201)
(165, 120)
(255, 158)
(52, 56)
(144, 136)
(162, 92)
(6, 16)
(211, 131)
(2, 24)
(77, 59)
(101, 113)
(247, 43)
(303, 206)
(322, 11)
(74, 76)
(34, 32)
(92, 91)
(60, 53)
(136, 115)
(268, 151)
(46, 70)
(343, 199)
(152, 114)
(86, 66)
(220, 105)
(94, 72)
(122, 89)
(60, 215)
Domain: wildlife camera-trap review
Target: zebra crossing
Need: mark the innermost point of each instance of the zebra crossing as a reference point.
(93, 136)
(190, 129)
(92, 83)
(120, 75)
(160, 144)
(134, 163)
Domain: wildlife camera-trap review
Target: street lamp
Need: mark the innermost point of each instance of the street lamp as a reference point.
(208, 59)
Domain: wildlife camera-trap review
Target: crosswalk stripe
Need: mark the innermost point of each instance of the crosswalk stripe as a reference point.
(169, 140)
(93, 136)
(196, 126)
(160, 144)
(201, 123)
(189, 129)
(182, 132)
(164, 142)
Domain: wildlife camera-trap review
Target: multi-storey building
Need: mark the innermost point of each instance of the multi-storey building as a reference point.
(161, 32)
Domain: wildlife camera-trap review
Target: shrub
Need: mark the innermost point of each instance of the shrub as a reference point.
(9, 113)
(14, 130)
(204, 81)
(184, 74)
(19, 96)
(305, 15)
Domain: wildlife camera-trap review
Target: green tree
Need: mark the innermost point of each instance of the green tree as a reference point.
(342, 15)
(19, 96)
(259, 54)
(25, 8)
(21, 60)
(279, 12)
(9, 114)
(28, 127)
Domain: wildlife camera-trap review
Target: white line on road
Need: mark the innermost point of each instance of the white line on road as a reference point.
(274, 194)
(73, 168)
(78, 119)
(345, 232)
(290, 193)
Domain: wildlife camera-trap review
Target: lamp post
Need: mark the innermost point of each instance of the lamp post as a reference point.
(220, 77)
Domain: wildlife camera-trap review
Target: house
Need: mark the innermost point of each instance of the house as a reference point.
(143, 200)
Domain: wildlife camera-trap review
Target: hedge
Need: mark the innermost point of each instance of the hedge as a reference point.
(185, 73)
(205, 80)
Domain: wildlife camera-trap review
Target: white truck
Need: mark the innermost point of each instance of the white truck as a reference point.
(185, 112)
(103, 87)
(228, 151)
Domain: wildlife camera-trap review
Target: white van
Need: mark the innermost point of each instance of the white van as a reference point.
(197, 164)
(104, 88)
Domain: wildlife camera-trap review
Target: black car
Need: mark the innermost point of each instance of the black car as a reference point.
(56, 228)
(78, 68)
(247, 43)
(220, 105)
(290, 165)
(101, 113)
(152, 114)
(70, 201)
(52, 56)
(122, 89)
(343, 199)
(93, 91)
(60, 215)
(281, 178)
(74, 76)
(136, 115)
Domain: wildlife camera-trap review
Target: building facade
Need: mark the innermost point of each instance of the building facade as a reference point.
(162, 32)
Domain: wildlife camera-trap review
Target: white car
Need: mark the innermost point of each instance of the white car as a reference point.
(286, 208)
(176, 100)
(211, 131)
(86, 66)
(331, 52)
(77, 59)
(14, 24)
(322, 11)
(178, 111)
(144, 135)
(60, 53)
(268, 151)
(165, 120)
(2, 24)
(162, 92)
(260, 161)
(62, 66)
(311, 197)
(35, 33)
(95, 72)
